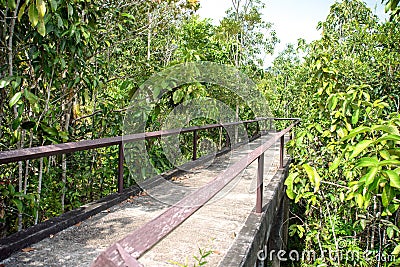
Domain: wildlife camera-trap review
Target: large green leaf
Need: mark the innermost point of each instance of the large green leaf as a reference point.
(356, 131)
(41, 28)
(355, 116)
(389, 137)
(4, 83)
(41, 8)
(33, 15)
(387, 195)
(360, 147)
(390, 129)
(30, 97)
(370, 176)
(15, 99)
(178, 95)
(394, 178)
(21, 11)
(70, 10)
(18, 203)
(389, 162)
(289, 185)
(313, 175)
(396, 250)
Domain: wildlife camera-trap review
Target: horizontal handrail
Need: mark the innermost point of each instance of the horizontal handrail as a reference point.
(64, 148)
(131, 247)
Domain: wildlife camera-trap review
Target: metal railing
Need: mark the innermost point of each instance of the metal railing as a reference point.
(65, 148)
(120, 248)
(127, 251)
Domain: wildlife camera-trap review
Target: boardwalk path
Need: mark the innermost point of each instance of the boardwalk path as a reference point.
(214, 227)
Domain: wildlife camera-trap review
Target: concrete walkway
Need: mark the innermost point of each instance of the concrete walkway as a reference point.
(211, 229)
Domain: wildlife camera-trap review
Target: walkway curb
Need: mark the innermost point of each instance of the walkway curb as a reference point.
(251, 239)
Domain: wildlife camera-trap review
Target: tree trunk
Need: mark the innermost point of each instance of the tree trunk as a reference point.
(67, 116)
(39, 191)
(11, 73)
(236, 126)
(149, 35)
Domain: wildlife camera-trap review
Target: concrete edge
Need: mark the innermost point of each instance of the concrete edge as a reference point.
(257, 228)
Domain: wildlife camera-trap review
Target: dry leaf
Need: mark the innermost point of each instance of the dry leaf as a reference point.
(51, 236)
(28, 249)
(2, 265)
(78, 224)
(217, 252)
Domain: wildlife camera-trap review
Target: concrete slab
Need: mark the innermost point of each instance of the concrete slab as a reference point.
(213, 228)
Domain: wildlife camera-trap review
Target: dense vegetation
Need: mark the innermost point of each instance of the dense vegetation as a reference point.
(68, 70)
(345, 181)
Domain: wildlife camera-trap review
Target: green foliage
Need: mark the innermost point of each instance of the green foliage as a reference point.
(68, 72)
(392, 6)
(199, 260)
(344, 180)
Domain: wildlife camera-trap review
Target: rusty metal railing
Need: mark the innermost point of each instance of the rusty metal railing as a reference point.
(65, 148)
(127, 251)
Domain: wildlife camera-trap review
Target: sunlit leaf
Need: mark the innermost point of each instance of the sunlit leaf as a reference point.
(394, 178)
(15, 99)
(289, 183)
(4, 83)
(370, 176)
(358, 130)
(21, 11)
(41, 8)
(389, 137)
(33, 15)
(360, 147)
(396, 250)
(390, 129)
(389, 162)
(335, 164)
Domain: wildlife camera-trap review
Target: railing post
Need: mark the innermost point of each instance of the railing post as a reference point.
(281, 151)
(120, 168)
(270, 124)
(194, 145)
(228, 140)
(260, 183)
